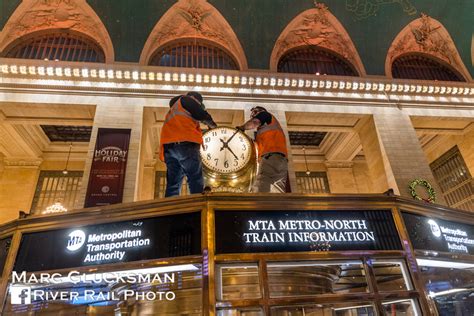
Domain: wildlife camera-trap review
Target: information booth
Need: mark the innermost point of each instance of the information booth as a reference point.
(237, 254)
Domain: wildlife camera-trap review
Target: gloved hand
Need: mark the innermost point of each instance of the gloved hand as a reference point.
(211, 124)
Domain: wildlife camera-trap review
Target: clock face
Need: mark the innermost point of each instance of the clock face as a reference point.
(225, 150)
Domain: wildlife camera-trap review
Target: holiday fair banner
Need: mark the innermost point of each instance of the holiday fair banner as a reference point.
(109, 163)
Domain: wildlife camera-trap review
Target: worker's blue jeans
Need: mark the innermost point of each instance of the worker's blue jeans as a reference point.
(182, 159)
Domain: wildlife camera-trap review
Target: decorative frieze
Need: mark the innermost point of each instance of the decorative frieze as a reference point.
(21, 163)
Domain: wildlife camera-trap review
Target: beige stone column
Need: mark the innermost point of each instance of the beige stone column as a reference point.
(373, 155)
(341, 177)
(466, 147)
(399, 152)
(18, 180)
(146, 186)
(118, 115)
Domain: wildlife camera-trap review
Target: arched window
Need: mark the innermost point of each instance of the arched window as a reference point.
(423, 67)
(315, 60)
(193, 54)
(56, 45)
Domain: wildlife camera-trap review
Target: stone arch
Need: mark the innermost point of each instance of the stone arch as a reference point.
(39, 15)
(317, 27)
(426, 35)
(193, 19)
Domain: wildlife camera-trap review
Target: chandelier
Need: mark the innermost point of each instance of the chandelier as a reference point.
(55, 208)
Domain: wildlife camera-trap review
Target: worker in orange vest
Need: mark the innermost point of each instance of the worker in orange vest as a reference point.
(180, 140)
(271, 149)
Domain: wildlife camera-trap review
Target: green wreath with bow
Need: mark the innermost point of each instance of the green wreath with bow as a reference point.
(429, 188)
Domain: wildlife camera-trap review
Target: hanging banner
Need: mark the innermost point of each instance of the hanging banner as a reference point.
(107, 176)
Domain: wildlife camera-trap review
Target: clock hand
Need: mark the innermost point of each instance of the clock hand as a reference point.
(224, 144)
(225, 155)
(233, 153)
(235, 133)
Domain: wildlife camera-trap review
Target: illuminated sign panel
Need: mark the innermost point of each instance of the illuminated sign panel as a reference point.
(439, 235)
(286, 231)
(142, 239)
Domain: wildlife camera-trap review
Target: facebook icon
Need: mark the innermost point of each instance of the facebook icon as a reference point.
(20, 295)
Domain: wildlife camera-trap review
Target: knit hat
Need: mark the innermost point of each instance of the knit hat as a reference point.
(196, 95)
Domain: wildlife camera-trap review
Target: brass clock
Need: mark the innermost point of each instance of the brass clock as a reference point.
(228, 157)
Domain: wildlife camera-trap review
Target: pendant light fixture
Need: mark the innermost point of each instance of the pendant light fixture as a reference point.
(306, 162)
(65, 171)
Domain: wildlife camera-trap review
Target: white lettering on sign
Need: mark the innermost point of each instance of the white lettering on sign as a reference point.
(110, 154)
(107, 247)
(456, 239)
(307, 231)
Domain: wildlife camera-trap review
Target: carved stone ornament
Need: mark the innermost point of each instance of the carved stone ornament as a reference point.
(317, 27)
(425, 35)
(364, 9)
(37, 15)
(196, 19)
(22, 162)
(339, 164)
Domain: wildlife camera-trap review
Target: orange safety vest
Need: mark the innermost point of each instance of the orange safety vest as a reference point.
(271, 139)
(179, 126)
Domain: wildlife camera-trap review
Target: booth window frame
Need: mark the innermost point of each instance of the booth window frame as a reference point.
(207, 205)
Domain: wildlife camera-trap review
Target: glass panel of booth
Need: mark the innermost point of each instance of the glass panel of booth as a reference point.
(450, 285)
(337, 309)
(390, 308)
(311, 278)
(238, 281)
(391, 275)
(445, 257)
(246, 311)
(167, 289)
(339, 281)
(290, 279)
(401, 307)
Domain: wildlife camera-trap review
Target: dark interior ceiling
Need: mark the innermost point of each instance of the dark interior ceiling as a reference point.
(61, 133)
(372, 24)
(306, 138)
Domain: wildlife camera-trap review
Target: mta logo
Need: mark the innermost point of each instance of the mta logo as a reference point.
(434, 228)
(20, 295)
(76, 239)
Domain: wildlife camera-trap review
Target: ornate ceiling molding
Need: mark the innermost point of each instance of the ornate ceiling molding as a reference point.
(318, 27)
(364, 9)
(428, 36)
(194, 19)
(338, 164)
(38, 15)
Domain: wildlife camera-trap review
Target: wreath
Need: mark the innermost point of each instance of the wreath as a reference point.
(431, 192)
